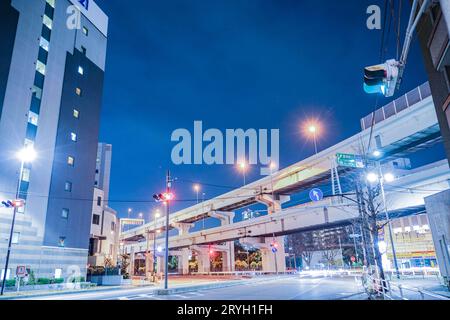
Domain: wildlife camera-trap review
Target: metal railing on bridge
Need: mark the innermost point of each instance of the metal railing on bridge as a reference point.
(409, 99)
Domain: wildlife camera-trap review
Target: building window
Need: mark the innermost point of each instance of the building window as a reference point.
(80, 70)
(85, 30)
(51, 3)
(68, 186)
(78, 91)
(65, 213)
(48, 22)
(83, 50)
(15, 238)
(62, 241)
(33, 118)
(44, 44)
(73, 137)
(36, 92)
(113, 226)
(96, 219)
(26, 175)
(70, 161)
(40, 67)
(99, 201)
(76, 113)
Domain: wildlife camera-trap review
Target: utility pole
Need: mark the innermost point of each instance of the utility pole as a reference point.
(166, 269)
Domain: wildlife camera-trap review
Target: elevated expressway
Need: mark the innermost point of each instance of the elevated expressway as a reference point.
(397, 134)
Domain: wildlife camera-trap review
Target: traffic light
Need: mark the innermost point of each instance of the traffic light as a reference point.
(382, 78)
(18, 203)
(166, 196)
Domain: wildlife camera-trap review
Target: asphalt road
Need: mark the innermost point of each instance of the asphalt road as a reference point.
(285, 288)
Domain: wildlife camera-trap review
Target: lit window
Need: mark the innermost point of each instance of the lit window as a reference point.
(85, 30)
(15, 238)
(51, 3)
(44, 44)
(76, 113)
(58, 273)
(78, 91)
(33, 118)
(37, 92)
(62, 241)
(80, 70)
(48, 22)
(68, 186)
(65, 213)
(70, 161)
(26, 175)
(40, 67)
(73, 137)
(425, 227)
(407, 229)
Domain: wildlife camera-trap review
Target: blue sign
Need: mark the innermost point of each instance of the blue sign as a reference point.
(84, 3)
(274, 250)
(316, 195)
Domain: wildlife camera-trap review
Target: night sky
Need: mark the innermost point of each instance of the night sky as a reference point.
(268, 64)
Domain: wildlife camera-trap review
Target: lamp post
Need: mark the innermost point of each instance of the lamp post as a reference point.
(382, 178)
(312, 128)
(196, 189)
(166, 256)
(26, 155)
(272, 167)
(243, 168)
(129, 212)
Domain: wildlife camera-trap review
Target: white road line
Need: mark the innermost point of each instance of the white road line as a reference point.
(180, 296)
(123, 298)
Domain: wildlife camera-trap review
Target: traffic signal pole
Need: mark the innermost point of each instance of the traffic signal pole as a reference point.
(166, 255)
(11, 233)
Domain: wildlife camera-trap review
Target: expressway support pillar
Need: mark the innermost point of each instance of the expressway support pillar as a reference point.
(131, 265)
(203, 259)
(273, 203)
(273, 262)
(183, 228)
(228, 257)
(183, 261)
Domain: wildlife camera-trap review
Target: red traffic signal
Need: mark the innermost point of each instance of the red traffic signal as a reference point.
(166, 196)
(18, 203)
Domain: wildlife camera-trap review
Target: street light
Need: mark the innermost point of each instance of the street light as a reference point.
(272, 167)
(381, 178)
(312, 128)
(129, 212)
(156, 216)
(26, 155)
(243, 168)
(197, 189)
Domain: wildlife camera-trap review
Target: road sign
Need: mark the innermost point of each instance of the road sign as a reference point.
(350, 160)
(353, 259)
(316, 195)
(21, 271)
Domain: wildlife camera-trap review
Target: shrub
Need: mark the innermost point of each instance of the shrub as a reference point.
(43, 281)
(10, 283)
(59, 280)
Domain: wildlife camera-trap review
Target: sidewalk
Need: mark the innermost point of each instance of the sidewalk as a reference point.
(432, 285)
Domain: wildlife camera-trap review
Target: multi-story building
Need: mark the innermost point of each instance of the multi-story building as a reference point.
(51, 81)
(434, 34)
(104, 237)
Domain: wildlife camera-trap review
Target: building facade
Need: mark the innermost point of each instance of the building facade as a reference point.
(51, 82)
(104, 237)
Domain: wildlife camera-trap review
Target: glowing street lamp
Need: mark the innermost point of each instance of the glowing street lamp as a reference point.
(312, 128)
(243, 167)
(25, 155)
(197, 190)
(129, 212)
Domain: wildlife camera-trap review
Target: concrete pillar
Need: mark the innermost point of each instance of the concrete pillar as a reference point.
(132, 258)
(228, 257)
(148, 264)
(183, 261)
(183, 228)
(160, 264)
(269, 258)
(203, 259)
(273, 203)
(225, 217)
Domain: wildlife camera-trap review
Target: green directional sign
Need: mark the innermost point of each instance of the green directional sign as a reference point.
(350, 160)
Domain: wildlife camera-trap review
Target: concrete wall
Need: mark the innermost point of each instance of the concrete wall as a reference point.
(438, 210)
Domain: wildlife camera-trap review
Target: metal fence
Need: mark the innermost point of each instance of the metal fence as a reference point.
(404, 102)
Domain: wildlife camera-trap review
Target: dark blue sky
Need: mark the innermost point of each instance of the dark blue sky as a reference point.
(232, 64)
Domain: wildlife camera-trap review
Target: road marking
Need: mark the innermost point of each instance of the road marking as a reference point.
(180, 296)
(123, 298)
(195, 293)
